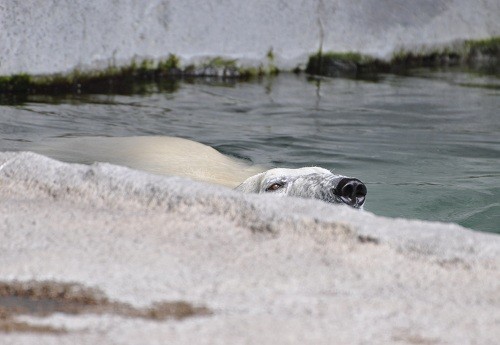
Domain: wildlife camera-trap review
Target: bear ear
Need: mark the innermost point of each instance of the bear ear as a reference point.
(251, 184)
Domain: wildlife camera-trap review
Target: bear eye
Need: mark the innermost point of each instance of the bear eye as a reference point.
(274, 186)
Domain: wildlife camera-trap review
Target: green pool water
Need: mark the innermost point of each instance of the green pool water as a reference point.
(427, 144)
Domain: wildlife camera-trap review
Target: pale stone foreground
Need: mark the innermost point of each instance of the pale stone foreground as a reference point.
(40, 37)
(270, 270)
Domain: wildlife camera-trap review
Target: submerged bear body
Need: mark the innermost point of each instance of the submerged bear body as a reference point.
(187, 158)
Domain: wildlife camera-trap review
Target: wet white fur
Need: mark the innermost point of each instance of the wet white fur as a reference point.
(187, 158)
(308, 182)
(261, 182)
(155, 154)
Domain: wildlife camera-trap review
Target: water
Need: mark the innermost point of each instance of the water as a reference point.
(427, 145)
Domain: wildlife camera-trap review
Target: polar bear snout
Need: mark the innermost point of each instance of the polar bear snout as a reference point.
(351, 191)
(308, 182)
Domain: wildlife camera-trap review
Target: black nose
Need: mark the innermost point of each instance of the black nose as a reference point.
(351, 191)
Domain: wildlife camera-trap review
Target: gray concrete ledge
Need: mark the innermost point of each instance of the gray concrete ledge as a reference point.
(270, 270)
(59, 36)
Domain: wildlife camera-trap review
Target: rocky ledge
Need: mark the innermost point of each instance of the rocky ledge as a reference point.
(105, 254)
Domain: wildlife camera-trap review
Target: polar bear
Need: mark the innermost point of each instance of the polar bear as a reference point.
(308, 182)
(186, 158)
(160, 155)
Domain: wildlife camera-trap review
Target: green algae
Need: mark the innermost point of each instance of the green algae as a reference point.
(129, 78)
(172, 62)
(481, 54)
(343, 64)
(478, 54)
(271, 68)
(15, 83)
(487, 47)
(220, 62)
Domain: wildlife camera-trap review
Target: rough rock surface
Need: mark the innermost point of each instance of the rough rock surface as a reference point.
(40, 37)
(262, 269)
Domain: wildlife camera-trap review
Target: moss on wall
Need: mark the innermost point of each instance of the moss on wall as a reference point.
(342, 64)
(487, 48)
(127, 79)
(480, 53)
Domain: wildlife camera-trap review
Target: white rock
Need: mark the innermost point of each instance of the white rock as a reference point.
(271, 270)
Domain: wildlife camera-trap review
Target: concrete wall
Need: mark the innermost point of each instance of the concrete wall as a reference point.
(52, 36)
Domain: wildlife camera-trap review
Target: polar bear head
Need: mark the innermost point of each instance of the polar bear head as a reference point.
(309, 182)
